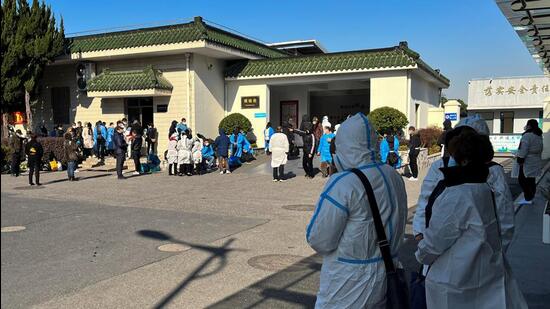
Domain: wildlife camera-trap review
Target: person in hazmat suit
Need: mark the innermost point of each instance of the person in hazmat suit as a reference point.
(462, 243)
(353, 274)
(433, 185)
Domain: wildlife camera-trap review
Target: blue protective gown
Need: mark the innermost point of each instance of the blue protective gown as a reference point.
(324, 147)
(109, 139)
(385, 150)
(268, 132)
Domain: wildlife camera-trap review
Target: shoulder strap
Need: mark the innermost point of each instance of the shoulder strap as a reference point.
(439, 188)
(383, 242)
(446, 161)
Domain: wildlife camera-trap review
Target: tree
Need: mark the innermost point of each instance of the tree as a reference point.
(388, 120)
(30, 40)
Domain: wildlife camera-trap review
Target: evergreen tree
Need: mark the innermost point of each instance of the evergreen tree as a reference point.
(30, 40)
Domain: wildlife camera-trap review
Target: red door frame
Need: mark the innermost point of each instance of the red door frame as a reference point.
(289, 103)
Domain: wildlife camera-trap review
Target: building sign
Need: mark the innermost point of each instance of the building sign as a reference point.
(19, 118)
(505, 142)
(508, 92)
(250, 102)
(451, 116)
(260, 115)
(162, 108)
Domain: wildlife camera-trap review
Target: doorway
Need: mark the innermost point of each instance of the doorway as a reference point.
(140, 109)
(289, 112)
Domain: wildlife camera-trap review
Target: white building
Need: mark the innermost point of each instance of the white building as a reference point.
(506, 103)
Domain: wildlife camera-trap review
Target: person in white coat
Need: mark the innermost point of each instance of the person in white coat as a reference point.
(279, 147)
(172, 154)
(529, 160)
(462, 244)
(197, 153)
(353, 274)
(185, 145)
(433, 185)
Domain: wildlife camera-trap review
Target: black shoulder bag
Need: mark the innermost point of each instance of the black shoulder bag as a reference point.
(397, 294)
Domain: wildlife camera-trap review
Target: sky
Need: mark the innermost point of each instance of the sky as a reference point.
(465, 39)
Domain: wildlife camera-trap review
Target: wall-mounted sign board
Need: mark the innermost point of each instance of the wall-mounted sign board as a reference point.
(250, 102)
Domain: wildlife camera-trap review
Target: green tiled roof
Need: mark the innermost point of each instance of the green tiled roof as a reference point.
(180, 33)
(398, 56)
(149, 78)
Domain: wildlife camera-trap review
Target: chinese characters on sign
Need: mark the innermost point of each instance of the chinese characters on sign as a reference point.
(250, 102)
(500, 90)
(505, 142)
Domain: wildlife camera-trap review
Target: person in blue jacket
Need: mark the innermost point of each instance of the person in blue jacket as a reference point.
(324, 151)
(182, 126)
(100, 137)
(110, 143)
(207, 155)
(389, 150)
(237, 143)
(267, 137)
(222, 144)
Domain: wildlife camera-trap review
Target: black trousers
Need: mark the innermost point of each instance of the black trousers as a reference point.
(307, 164)
(528, 185)
(413, 156)
(120, 157)
(34, 168)
(100, 149)
(279, 172)
(151, 147)
(135, 156)
(15, 163)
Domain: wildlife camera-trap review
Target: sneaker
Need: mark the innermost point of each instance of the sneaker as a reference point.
(228, 172)
(122, 178)
(413, 179)
(282, 180)
(32, 183)
(135, 173)
(275, 180)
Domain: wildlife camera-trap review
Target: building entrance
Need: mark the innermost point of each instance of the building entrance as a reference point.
(140, 109)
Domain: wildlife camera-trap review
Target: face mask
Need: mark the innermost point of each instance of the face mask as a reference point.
(452, 162)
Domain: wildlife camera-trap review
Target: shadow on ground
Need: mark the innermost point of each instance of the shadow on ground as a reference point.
(216, 253)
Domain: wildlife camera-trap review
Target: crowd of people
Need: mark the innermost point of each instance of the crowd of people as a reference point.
(463, 224)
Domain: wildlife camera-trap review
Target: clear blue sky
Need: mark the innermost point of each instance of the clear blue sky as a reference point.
(464, 38)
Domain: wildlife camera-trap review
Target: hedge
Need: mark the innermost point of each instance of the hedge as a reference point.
(230, 122)
(429, 136)
(388, 120)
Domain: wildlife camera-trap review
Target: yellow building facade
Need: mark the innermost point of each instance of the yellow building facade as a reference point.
(203, 73)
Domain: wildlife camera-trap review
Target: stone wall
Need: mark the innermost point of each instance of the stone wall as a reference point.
(424, 160)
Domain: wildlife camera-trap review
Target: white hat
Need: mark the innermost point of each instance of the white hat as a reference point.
(475, 122)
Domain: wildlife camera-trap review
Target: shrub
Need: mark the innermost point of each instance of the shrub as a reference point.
(388, 120)
(233, 121)
(53, 146)
(429, 136)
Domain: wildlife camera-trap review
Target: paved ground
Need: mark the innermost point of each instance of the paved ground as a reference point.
(93, 243)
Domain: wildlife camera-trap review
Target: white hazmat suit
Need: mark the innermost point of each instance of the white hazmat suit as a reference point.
(463, 246)
(496, 180)
(342, 230)
(278, 145)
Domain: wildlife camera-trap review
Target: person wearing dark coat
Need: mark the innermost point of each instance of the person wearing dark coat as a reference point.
(309, 147)
(16, 143)
(222, 144)
(120, 148)
(34, 152)
(447, 126)
(414, 150)
(137, 143)
(70, 146)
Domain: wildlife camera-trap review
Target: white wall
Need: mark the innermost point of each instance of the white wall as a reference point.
(425, 94)
(237, 89)
(288, 93)
(208, 94)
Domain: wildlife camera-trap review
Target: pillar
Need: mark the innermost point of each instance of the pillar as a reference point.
(452, 111)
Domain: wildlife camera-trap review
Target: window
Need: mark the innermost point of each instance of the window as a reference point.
(506, 122)
(61, 105)
(489, 119)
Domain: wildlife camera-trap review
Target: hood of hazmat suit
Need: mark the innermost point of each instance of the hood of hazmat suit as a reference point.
(342, 230)
(463, 246)
(496, 180)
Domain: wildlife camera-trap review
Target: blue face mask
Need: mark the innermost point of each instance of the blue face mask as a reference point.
(452, 162)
